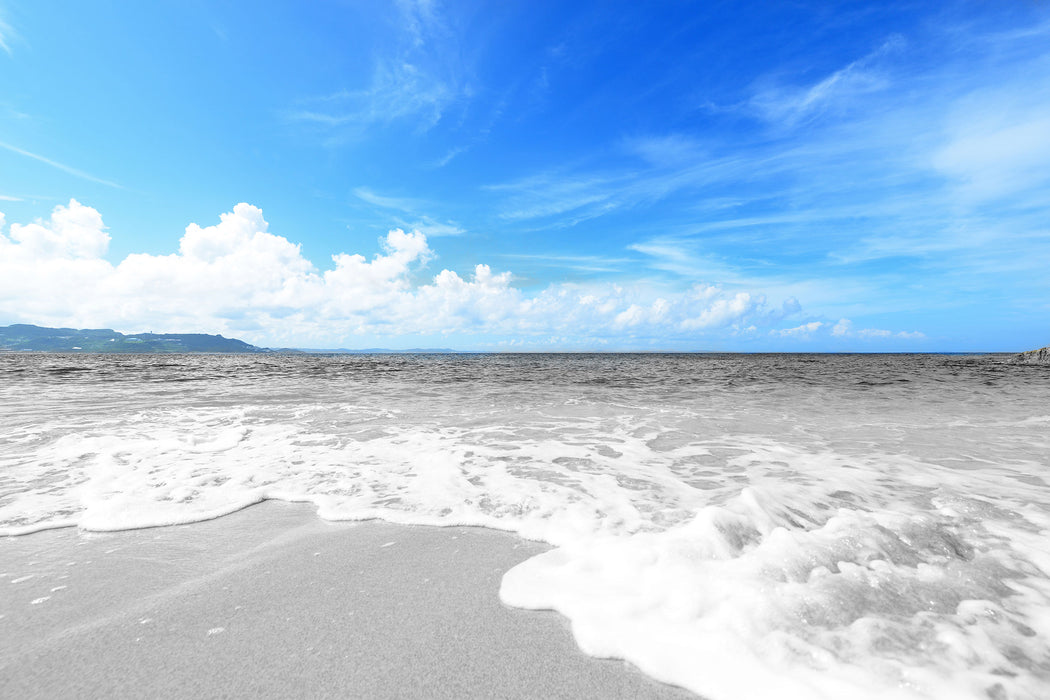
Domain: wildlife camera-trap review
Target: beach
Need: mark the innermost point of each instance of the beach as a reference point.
(273, 601)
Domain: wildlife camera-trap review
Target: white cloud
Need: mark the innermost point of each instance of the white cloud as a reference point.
(5, 33)
(75, 231)
(635, 315)
(386, 202)
(411, 208)
(60, 166)
(448, 157)
(994, 151)
(802, 331)
(721, 312)
(790, 105)
(238, 278)
(668, 149)
(49, 268)
(434, 229)
(684, 257)
(416, 77)
(842, 328)
(398, 91)
(546, 196)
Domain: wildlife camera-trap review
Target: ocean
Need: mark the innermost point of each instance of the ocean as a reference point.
(789, 526)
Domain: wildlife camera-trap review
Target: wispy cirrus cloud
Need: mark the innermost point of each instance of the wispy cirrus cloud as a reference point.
(398, 91)
(996, 150)
(878, 186)
(569, 196)
(404, 204)
(6, 32)
(449, 156)
(550, 198)
(788, 105)
(579, 263)
(60, 166)
(666, 149)
(685, 257)
(414, 80)
(409, 213)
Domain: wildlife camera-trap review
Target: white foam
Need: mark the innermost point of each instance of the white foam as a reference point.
(740, 602)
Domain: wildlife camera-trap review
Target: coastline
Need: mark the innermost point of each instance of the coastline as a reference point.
(272, 601)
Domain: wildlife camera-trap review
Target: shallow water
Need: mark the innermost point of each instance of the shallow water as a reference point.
(809, 525)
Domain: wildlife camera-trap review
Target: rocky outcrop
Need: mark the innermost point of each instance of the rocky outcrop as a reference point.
(1036, 357)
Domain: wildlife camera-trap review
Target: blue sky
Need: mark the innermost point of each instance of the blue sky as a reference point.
(531, 175)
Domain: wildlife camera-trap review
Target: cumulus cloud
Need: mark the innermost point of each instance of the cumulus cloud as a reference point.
(75, 231)
(721, 311)
(237, 277)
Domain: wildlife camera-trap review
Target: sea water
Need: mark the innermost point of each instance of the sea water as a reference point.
(790, 526)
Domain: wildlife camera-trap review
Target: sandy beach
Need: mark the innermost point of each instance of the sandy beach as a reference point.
(272, 601)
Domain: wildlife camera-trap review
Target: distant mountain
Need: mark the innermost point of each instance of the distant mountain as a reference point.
(375, 351)
(35, 338)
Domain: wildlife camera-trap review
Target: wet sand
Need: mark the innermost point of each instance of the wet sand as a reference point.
(275, 602)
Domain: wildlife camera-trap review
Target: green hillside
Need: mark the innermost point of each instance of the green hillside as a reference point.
(23, 337)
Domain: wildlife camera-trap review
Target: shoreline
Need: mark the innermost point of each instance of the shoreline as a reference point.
(273, 601)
